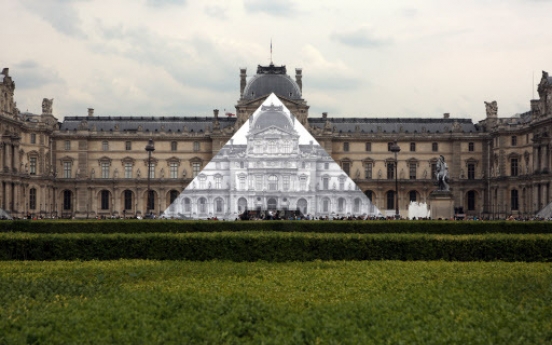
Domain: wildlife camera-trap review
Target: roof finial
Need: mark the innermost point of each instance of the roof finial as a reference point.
(272, 63)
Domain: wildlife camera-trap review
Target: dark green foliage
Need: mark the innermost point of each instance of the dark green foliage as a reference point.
(275, 246)
(360, 227)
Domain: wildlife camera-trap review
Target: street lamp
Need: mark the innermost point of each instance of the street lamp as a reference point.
(150, 148)
(396, 149)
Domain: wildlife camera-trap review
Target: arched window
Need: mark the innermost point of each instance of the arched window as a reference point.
(341, 205)
(173, 195)
(104, 202)
(413, 195)
(32, 198)
(202, 206)
(302, 206)
(326, 205)
(390, 200)
(357, 206)
(369, 194)
(67, 199)
(242, 205)
(219, 205)
(128, 199)
(151, 200)
(514, 199)
(187, 205)
(471, 200)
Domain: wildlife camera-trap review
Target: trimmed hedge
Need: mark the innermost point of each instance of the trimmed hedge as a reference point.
(254, 246)
(359, 227)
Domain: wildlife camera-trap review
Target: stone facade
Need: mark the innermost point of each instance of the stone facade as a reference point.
(87, 166)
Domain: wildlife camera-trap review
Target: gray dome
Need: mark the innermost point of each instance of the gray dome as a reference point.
(272, 116)
(271, 79)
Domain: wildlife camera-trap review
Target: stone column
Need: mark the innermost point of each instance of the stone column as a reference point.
(8, 205)
(2, 156)
(8, 159)
(16, 158)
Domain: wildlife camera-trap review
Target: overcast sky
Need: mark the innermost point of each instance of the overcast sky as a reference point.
(401, 58)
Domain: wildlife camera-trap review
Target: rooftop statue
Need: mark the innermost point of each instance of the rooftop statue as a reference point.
(491, 108)
(47, 105)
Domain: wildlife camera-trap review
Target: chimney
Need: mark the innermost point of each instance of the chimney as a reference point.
(299, 78)
(324, 115)
(215, 112)
(446, 115)
(90, 112)
(243, 76)
(535, 105)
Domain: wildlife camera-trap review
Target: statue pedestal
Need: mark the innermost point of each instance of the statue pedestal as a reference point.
(441, 204)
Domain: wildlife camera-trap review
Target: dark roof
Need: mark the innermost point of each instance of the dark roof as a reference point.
(272, 79)
(395, 125)
(199, 124)
(147, 123)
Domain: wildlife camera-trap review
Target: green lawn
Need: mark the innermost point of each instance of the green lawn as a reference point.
(326, 302)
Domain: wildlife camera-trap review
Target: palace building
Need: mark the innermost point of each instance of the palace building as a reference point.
(89, 166)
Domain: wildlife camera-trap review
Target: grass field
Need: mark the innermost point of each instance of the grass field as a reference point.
(325, 302)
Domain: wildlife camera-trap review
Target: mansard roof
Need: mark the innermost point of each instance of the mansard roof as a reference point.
(145, 123)
(200, 124)
(396, 125)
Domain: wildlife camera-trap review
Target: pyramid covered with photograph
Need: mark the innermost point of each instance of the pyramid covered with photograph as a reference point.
(272, 165)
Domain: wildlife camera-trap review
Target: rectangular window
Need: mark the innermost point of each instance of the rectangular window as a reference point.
(128, 145)
(286, 182)
(368, 171)
(412, 171)
(67, 169)
(326, 183)
(471, 171)
(303, 183)
(346, 167)
(514, 167)
(341, 184)
(196, 168)
(128, 170)
(128, 200)
(433, 170)
(32, 168)
(173, 145)
(272, 183)
(67, 145)
(218, 182)
(326, 166)
(105, 170)
(242, 181)
(258, 182)
(390, 171)
(196, 146)
(368, 147)
(514, 140)
(434, 147)
(32, 199)
(346, 146)
(471, 200)
(33, 138)
(412, 147)
(152, 170)
(105, 145)
(173, 170)
(471, 147)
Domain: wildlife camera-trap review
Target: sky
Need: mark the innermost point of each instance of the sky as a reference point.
(401, 58)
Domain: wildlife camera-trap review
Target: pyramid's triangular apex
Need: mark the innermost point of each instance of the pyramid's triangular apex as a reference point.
(272, 164)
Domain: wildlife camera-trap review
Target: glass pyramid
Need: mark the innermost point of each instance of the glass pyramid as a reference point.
(272, 167)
